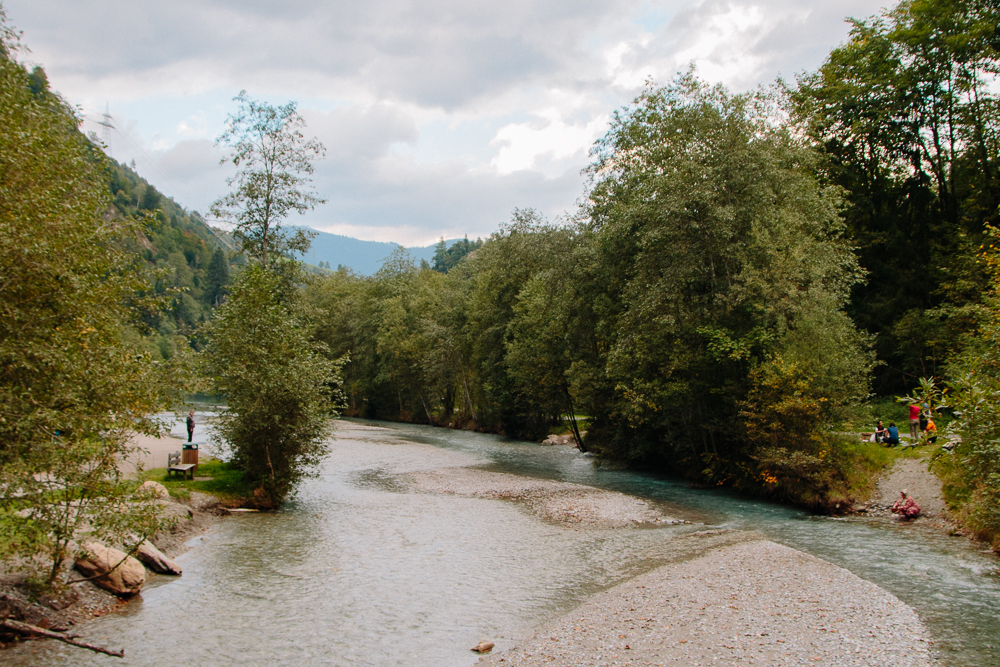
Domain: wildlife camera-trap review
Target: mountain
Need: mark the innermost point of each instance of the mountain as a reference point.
(363, 257)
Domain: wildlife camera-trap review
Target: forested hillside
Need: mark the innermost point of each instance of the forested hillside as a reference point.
(194, 263)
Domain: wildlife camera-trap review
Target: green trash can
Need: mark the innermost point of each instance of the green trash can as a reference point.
(189, 454)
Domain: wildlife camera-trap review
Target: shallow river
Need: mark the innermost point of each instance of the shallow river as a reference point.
(358, 571)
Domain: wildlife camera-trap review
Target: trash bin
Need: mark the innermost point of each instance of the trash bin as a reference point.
(189, 454)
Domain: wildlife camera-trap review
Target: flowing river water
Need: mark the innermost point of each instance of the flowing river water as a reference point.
(360, 570)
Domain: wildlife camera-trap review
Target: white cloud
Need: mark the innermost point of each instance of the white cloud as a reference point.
(439, 116)
(521, 144)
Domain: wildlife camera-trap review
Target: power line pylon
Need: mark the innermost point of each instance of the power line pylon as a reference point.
(106, 123)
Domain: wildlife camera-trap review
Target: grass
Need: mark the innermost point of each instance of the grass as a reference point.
(226, 482)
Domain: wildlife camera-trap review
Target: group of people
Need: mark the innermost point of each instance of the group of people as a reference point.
(920, 422)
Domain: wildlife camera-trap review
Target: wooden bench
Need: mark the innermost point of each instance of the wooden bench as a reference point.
(174, 465)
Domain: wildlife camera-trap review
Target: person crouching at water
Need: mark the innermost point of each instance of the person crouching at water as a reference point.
(906, 507)
(891, 435)
(190, 425)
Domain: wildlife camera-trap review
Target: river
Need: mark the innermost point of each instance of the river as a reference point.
(357, 570)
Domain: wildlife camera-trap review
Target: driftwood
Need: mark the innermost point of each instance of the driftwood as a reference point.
(25, 628)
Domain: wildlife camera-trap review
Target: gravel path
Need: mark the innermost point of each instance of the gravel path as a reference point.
(560, 502)
(756, 603)
(920, 483)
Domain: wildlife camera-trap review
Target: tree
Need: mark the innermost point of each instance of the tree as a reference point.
(716, 252)
(274, 161)
(217, 278)
(975, 384)
(909, 125)
(281, 389)
(72, 389)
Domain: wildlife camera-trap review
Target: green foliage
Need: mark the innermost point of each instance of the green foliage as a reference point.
(72, 388)
(217, 278)
(909, 125)
(280, 389)
(718, 250)
(445, 258)
(975, 397)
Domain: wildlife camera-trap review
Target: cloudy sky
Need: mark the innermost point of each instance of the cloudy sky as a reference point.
(439, 116)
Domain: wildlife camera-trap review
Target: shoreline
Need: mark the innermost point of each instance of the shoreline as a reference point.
(79, 603)
(712, 593)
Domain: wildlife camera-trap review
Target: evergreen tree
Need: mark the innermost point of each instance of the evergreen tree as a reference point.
(217, 278)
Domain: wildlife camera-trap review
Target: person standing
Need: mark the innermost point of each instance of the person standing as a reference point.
(190, 425)
(914, 421)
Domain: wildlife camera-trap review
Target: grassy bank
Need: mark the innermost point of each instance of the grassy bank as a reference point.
(214, 477)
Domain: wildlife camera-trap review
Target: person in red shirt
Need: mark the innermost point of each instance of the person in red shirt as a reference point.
(914, 421)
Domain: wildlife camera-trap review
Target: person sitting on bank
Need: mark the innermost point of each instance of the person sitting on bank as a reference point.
(892, 435)
(880, 432)
(931, 431)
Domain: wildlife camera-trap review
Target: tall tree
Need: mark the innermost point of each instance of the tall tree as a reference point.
(72, 390)
(910, 127)
(274, 164)
(281, 389)
(217, 278)
(717, 252)
(279, 385)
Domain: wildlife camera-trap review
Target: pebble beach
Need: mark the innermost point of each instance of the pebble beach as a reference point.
(756, 603)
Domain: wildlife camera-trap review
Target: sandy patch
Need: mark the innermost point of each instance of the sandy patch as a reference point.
(758, 603)
(560, 502)
(152, 452)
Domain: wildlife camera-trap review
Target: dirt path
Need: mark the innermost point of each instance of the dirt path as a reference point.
(922, 485)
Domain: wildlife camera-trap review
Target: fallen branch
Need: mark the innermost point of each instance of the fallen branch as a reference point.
(25, 628)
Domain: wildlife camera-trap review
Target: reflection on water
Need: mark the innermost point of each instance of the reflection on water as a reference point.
(358, 571)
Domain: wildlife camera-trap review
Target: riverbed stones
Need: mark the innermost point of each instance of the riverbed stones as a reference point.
(111, 569)
(156, 560)
(756, 603)
(572, 505)
(483, 647)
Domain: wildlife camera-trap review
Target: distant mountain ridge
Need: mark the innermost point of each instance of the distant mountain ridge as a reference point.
(363, 257)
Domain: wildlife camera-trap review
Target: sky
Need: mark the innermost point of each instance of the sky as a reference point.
(439, 117)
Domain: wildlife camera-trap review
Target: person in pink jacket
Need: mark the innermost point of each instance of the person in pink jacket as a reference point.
(906, 507)
(914, 421)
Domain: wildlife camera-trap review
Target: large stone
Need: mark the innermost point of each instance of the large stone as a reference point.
(156, 560)
(111, 569)
(155, 490)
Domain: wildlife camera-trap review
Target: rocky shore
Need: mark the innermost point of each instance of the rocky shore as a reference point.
(83, 601)
(756, 603)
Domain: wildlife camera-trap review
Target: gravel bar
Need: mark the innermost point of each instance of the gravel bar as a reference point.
(756, 603)
(565, 503)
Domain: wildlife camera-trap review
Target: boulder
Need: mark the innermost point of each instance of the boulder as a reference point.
(155, 489)
(483, 647)
(97, 561)
(155, 559)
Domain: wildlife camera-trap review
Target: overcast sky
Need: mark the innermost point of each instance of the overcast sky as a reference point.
(439, 116)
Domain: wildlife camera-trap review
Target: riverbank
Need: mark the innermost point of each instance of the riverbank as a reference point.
(757, 603)
(77, 603)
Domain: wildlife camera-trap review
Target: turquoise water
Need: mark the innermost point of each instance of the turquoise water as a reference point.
(360, 571)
